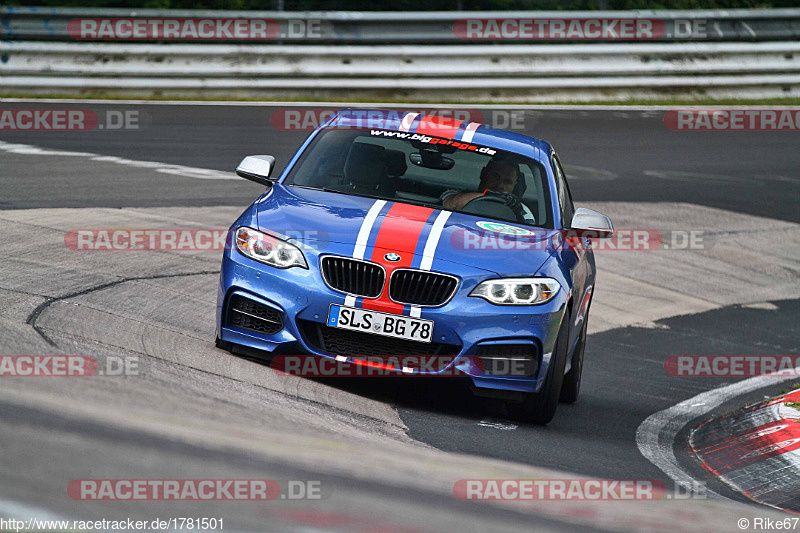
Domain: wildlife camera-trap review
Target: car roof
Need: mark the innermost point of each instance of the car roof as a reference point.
(440, 126)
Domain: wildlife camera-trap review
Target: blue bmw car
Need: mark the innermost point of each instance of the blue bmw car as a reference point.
(402, 234)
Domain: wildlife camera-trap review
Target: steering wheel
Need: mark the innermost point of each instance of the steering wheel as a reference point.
(496, 204)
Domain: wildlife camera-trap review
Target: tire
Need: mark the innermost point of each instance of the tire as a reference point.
(571, 387)
(540, 408)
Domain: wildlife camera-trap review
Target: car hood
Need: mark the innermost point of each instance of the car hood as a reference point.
(316, 218)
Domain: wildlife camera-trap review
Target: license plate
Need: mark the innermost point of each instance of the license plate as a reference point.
(398, 326)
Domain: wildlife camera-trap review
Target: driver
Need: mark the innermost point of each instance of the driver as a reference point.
(498, 178)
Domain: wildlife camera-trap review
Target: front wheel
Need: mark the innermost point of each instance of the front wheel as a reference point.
(572, 381)
(540, 407)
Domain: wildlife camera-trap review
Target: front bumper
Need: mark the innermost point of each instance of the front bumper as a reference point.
(465, 326)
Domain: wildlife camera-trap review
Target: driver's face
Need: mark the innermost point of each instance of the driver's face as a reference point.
(499, 177)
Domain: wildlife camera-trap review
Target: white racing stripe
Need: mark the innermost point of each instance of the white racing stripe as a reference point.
(366, 228)
(405, 125)
(361, 241)
(469, 132)
(433, 240)
(430, 250)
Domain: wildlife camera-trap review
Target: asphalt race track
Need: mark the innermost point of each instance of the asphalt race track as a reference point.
(385, 451)
(628, 156)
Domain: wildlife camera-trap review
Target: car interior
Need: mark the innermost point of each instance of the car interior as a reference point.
(355, 162)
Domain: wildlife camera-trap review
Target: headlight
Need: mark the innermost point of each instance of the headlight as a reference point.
(268, 249)
(517, 291)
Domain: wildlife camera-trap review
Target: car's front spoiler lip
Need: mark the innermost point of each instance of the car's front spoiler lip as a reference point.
(461, 362)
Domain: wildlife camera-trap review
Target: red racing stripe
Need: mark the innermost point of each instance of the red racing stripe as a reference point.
(444, 127)
(373, 364)
(399, 233)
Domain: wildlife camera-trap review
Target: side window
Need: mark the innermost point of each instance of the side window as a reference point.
(534, 195)
(564, 196)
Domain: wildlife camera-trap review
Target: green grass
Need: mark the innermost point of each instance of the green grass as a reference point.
(795, 386)
(99, 95)
(793, 405)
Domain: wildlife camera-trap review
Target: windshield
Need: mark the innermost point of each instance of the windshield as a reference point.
(427, 170)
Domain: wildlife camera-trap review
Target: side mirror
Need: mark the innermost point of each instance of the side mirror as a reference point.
(257, 168)
(589, 223)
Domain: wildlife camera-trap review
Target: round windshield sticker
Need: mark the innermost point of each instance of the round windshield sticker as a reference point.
(499, 227)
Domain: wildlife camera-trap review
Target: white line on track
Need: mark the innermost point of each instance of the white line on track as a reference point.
(655, 437)
(163, 168)
(497, 424)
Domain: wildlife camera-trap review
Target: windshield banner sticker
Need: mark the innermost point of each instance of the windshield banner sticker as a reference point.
(433, 140)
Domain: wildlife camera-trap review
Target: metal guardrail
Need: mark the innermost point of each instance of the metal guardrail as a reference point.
(436, 72)
(367, 65)
(741, 54)
(28, 23)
